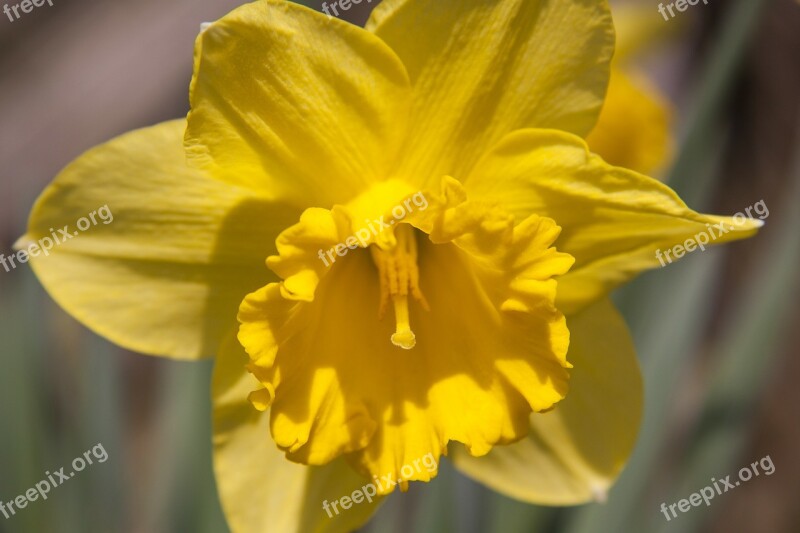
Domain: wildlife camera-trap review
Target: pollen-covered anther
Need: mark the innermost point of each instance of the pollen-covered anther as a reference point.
(399, 277)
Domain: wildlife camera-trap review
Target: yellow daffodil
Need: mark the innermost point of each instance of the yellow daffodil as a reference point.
(633, 130)
(361, 354)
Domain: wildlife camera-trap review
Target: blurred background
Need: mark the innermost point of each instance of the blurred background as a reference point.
(717, 334)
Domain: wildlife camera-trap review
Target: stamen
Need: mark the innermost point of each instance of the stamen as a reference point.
(399, 276)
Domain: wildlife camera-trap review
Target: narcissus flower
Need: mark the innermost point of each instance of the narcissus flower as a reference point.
(461, 321)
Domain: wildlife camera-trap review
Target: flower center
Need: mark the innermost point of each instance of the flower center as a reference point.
(399, 276)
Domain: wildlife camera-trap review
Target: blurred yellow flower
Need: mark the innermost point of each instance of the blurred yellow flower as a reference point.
(634, 128)
(302, 129)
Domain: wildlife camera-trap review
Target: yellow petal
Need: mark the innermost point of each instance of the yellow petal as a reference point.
(490, 346)
(260, 490)
(634, 127)
(614, 220)
(576, 451)
(294, 104)
(481, 69)
(166, 273)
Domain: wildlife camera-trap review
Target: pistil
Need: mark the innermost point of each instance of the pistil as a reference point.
(399, 277)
